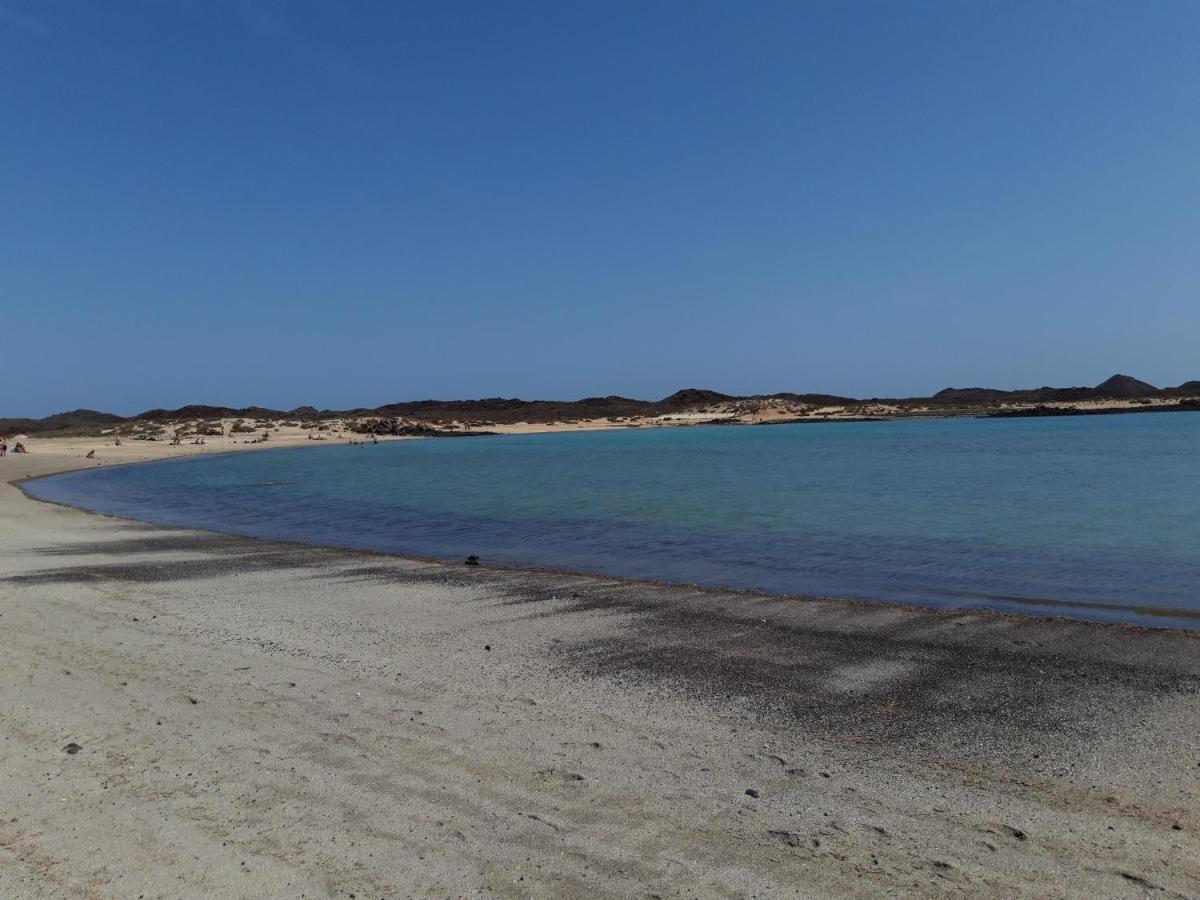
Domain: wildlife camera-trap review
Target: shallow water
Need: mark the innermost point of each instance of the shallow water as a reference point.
(1095, 518)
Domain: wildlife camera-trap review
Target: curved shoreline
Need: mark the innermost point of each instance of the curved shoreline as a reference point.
(1144, 613)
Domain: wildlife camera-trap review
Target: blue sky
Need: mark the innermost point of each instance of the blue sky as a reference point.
(361, 202)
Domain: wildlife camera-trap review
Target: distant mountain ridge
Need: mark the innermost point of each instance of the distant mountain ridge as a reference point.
(613, 407)
(1117, 387)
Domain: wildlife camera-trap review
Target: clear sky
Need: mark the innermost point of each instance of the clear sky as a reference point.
(352, 203)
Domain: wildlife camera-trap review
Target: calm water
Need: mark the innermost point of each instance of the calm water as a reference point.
(1089, 517)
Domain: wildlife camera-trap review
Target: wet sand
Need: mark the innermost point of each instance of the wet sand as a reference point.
(264, 719)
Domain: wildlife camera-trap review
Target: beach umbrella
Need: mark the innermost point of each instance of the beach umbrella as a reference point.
(21, 437)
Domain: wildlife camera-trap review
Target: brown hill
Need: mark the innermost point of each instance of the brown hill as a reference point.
(689, 398)
(1117, 387)
(1125, 386)
(77, 420)
(200, 411)
(508, 410)
(969, 395)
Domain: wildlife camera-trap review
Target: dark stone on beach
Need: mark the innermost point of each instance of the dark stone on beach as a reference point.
(72, 748)
(472, 560)
(752, 792)
(1140, 881)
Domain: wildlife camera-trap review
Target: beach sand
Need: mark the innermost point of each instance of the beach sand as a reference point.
(259, 719)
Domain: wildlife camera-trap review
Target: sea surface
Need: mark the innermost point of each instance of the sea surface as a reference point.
(1094, 518)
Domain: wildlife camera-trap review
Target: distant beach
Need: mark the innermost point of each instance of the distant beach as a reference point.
(683, 408)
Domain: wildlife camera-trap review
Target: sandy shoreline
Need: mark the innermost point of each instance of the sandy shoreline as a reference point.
(265, 719)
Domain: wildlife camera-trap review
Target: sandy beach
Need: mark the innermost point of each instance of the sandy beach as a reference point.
(188, 714)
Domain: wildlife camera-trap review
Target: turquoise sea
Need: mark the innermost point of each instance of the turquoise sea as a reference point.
(1090, 517)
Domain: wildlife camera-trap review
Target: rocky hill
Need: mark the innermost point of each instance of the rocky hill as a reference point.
(1118, 387)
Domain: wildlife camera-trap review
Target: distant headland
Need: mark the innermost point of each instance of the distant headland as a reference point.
(1118, 394)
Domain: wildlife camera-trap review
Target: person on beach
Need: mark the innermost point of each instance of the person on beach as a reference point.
(3, 448)
(18, 447)
(91, 454)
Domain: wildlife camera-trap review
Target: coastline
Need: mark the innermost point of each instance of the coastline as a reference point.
(1148, 614)
(1050, 608)
(264, 718)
